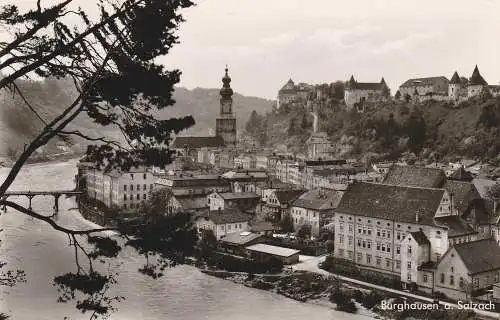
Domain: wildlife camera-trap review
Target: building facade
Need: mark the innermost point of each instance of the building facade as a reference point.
(360, 92)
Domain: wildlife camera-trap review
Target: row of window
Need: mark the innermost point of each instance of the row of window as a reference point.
(369, 259)
(144, 176)
(461, 282)
(236, 227)
(138, 197)
(132, 205)
(144, 187)
(301, 213)
(459, 240)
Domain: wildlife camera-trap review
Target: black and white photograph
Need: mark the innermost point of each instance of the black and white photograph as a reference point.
(249, 159)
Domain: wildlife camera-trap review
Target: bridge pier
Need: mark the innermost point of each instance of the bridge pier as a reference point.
(30, 197)
(56, 203)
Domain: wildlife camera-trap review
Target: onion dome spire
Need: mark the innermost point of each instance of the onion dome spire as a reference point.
(226, 91)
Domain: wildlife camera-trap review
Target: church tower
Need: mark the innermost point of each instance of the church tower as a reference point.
(225, 125)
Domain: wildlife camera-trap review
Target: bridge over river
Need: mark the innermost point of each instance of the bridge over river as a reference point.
(31, 194)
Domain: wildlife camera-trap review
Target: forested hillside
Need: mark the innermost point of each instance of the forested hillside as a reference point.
(18, 123)
(432, 130)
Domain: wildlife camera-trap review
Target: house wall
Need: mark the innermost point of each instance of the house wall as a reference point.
(303, 216)
(412, 256)
(220, 230)
(357, 239)
(474, 90)
(495, 233)
(215, 202)
(352, 96)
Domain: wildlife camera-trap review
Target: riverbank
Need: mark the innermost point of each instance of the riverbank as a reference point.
(332, 292)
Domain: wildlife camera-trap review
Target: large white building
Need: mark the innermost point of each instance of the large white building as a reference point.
(125, 190)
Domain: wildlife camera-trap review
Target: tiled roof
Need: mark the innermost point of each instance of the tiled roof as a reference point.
(319, 199)
(237, 238)
(479, 256)
(462, 194)
(197, 142)
(482, 186)
(414, 176)
(476, 78)
(456, 226)
(228, 215)
(286, 196)
(479, 211)
(238, 195)
(391, 202)
(366, 86)
(420, 237)
(197, 181)
(429, 81)
(312, 163)
(455, 79)
(461, 175)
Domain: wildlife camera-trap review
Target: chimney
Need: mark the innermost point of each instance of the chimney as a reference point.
(417, 217)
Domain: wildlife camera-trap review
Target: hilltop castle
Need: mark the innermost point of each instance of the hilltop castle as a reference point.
(417, 89)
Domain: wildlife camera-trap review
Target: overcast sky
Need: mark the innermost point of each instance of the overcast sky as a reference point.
(265, 42)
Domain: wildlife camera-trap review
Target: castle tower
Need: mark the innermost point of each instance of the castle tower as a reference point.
(476, 83)
(225, 124)
(454, 87)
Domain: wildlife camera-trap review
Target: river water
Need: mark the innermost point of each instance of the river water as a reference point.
(183, 293)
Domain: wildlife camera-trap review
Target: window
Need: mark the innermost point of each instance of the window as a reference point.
(438, 234)
(388, 263)
(341, 226)
(408, 277)
(349, 254)
(441, 278)
(378, 233)
(131, 187)
(383, 233)
(378, 246)
(409, 250)
(388, 248)
(364, 244)
(341, 238)
(359, 242)
(138, 187)
(125, 197)
(398, 235)
(125, 206)
(368, 258)
(349, 239)
(359, 231)
(125, 187)
(369, 232)
(222, 227)
(398, 264)
(461, 283)
(359, 256)
(138, 197)
(151, 187)
(144, 187)
(132, 176)
(476, 282)
(409, 265)
(377, 261)
(452, 280)
(364, 231)
(144, 196)
(369, 244)
(451, 269)
(425, 278)
(240, 226)
(350, 227)
(383, 247)
(144, 176)
(341, 252)
(228, 227)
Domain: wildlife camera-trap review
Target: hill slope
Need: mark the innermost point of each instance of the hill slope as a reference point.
(433, 130)
(18, 124)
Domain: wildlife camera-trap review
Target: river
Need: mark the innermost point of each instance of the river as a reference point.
(183, 293)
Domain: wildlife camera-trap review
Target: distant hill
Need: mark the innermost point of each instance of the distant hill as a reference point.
(18, 124)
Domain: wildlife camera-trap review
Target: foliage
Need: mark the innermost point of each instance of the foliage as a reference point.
(344, 302)
(286, 223)
(111, 60)
(207, 244)
(494, 191)
(304, 231)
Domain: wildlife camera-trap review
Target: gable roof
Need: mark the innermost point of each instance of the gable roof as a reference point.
(476, 78)
(239, 238)
(286, 196)
(366, 86)
(462, 193)
(455, 79)
(420, 237)
(456, 226)
(413, 176)
(318, 199)
(391, 202)
(461, 175)
(228, 215)
(198, 142)
(289, 86)
(238, 195)
(428, 81)
(479, 256)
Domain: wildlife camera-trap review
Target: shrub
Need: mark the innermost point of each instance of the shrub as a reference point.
(371, 300)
